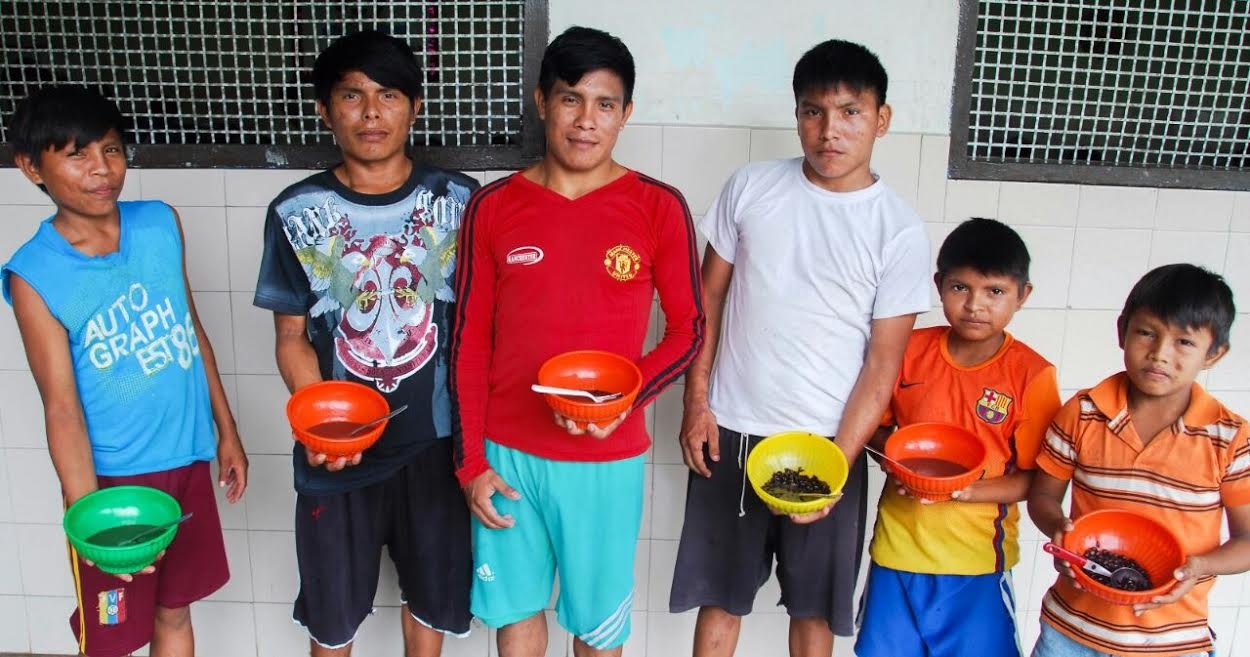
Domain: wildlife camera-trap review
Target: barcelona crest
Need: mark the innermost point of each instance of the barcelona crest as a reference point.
(993, 406)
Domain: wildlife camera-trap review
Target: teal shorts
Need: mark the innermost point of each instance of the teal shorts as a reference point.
(578, 517)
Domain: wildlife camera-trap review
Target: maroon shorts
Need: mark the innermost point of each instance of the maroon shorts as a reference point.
(116, 618)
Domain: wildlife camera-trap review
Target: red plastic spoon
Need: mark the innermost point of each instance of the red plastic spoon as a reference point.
(1123, 577)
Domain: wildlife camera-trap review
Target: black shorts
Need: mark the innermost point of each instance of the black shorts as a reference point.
(419, 514)
(725, 555)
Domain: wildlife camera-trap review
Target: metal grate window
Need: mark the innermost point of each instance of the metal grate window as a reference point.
(226, 82)
(1104, 91)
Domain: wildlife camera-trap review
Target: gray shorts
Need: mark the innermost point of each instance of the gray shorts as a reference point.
(730, 538)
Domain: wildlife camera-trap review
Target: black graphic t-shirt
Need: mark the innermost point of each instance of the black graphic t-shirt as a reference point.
(373, 275)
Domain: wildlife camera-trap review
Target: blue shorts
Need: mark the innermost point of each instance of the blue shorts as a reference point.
(906, 613)
(1053, 643)
(581, 518)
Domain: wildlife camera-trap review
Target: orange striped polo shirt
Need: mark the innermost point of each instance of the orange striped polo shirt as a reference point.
(1184, 478)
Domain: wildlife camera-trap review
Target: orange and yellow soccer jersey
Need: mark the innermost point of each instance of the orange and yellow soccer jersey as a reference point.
(1008, 401)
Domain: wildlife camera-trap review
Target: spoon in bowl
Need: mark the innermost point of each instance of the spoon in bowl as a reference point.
(596, 396)
(153, 531)
(894, 462)
(1122, 577)
(374, 423)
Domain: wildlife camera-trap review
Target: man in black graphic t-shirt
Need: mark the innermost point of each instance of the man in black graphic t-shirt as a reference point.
(357, 269)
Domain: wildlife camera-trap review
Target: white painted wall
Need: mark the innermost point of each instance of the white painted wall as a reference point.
(729, 62)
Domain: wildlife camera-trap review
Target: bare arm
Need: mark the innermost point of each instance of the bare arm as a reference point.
(231, 458)
(871, 394)
(47, 350)
(698, 424)
(297, 361)
(861, 421)
(1007, 489)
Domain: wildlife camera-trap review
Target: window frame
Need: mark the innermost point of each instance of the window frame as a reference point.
(960, 167)
(321, 156)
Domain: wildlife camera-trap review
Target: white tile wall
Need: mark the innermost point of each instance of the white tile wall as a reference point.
(1194, 209)
(971, 198)
(1036, 203)
(1105, 264)
(1089, 244)
(14, 633)
(1241, 212)
(1116, 207)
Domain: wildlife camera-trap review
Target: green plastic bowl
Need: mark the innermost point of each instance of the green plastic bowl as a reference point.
(109, 508)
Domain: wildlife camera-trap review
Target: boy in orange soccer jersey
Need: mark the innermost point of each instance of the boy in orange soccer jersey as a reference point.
(940, 584)
(1151, 440)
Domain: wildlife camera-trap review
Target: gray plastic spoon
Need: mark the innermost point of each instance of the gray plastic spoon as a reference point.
(154, 531)
(373, 423)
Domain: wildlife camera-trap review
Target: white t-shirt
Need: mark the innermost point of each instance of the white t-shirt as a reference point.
(812, 269)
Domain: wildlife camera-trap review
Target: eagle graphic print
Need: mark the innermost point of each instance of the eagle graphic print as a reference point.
(375, 274)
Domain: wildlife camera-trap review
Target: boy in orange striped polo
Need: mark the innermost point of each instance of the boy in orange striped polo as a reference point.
(940, 583)
(1151, 440)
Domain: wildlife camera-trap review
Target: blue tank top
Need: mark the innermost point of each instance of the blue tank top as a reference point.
(136, 356)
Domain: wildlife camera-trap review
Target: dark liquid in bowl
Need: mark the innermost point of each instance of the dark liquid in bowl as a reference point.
(336, 429)
(933, 467)
(114, 536)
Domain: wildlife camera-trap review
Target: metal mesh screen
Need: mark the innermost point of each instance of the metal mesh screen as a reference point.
(236, 71)
(1138, 83)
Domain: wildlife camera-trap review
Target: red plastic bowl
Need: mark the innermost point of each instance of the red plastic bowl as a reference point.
(336, 401)
(936, 440)
(591, 370)
(1132, 535)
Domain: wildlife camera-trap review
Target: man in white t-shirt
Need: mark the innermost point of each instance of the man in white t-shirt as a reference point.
(813, 276)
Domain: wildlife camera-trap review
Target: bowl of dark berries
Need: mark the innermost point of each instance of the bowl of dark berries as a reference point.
(1117, 539)
(797, 472)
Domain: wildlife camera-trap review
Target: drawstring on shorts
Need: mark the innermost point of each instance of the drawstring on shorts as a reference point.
(743, 445)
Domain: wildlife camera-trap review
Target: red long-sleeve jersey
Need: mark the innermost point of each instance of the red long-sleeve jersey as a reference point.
(538, 274)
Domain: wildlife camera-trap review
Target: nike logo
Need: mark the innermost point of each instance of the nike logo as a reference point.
(908, 384)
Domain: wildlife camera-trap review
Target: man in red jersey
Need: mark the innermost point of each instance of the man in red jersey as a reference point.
(567, 254)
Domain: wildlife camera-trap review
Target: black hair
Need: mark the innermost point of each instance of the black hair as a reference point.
(988, 246)
(1184, 295)
(836, 63)
(56, 116)
(385, 59)
(580, 50)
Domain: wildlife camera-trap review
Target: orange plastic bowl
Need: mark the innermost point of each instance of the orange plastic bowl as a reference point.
(336, 401)
(936, 440)
(591, 370)
(1132, 535)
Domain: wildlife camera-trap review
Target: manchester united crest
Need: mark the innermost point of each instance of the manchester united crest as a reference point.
(993, 406)
(622, 262)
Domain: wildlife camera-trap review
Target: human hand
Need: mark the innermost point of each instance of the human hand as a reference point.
(903, 492)
(1063, 567)
(477, 494)
(1187, 577)
(699, 428)
(809, 518)
(129, 577)
(232, 468)
(316, 459)
(570, 426)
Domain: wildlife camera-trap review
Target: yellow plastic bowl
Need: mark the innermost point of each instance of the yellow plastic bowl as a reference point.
(817, 456)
